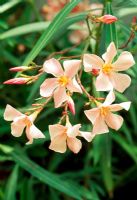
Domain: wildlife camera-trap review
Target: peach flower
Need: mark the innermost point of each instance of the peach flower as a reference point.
(64, 80)
(63, 136)
(103, 117)
(109, 76)
(21, 121)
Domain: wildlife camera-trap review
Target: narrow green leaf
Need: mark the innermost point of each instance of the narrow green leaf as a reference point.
(6, 148)
(50, 31)
(110, 29)
(10, 192)
(40, 26)
(106, 163)
(9, 5)
(45, 176)
(127, 147)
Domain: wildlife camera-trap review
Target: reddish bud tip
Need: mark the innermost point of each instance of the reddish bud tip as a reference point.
(19, 69)
(71, 105)
(107, 19)
(16, 81)
(95, 72)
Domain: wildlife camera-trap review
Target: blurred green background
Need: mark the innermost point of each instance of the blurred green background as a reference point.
(105, 168)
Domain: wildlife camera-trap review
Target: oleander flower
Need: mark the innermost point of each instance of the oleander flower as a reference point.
(65, 80)
(109, 76)
(63, 136)
(22, 121)
(103, 117)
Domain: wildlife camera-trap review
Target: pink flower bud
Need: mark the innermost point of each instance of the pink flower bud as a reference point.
(17, 81)
(71, 105)
(19, 69)
(95, 72)
(107, 19)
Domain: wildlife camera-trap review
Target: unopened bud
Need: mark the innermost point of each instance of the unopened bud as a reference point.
(95, 72)
(107, 19)
(20, 69)
(17, 81)
(71, 105)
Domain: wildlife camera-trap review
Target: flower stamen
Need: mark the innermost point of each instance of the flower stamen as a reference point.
(63, 80)
(107, 68)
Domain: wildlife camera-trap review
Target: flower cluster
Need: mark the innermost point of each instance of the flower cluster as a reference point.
(64, 80)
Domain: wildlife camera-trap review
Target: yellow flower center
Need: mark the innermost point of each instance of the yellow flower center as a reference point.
(63, 80)
(104, 111)
(107, 68)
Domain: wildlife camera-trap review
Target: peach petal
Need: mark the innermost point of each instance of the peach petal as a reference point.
(118, 107)
(74, 144)
(73, 86)
(100, 126)
(53, 66)
(109, 99)
(11, 113)
(114, 121)
(87, 135)
(17, 128)
(120, 81)
(71, 67)
(60, 96)
(48, 86)
(103, 83)
(110, 53)
(124, 61)
(73, 131)
(35, 133)
(56, 130)
(58, 144)
(91, 61)
(92, 114)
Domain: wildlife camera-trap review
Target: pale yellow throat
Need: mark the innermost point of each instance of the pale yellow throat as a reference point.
(104, 111)
(63, 80)
(107, 68)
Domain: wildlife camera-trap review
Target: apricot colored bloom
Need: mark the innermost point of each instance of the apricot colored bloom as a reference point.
(63, 136)
(109, 76)
(22, 121)
(65, 80)
(103, 117)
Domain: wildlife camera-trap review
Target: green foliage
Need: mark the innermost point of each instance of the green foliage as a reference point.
(104, 166)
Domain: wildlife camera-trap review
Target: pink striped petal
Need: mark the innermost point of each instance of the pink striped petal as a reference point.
(120, 81)
(48, 86)
(100, 126)
(11, 113)
(60, 96)
(91, 61)
(58, 144)
(74, 144)
(92, 114)
(114, 121)
(124, 61)
(71, 67)
(73, 86)
(110, 53)
(53, 66)
(103, 83)
(56, 130)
